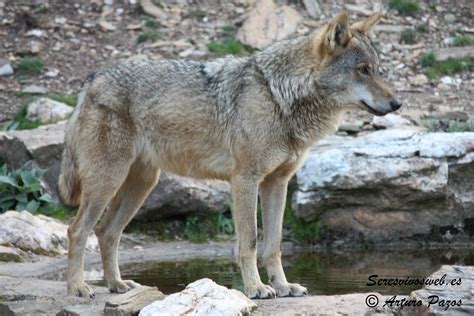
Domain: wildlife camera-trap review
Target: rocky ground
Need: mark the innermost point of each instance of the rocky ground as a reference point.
(75, 38)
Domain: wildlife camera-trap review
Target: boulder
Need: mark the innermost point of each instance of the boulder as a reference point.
(389, 121)
(202, 297)
(389, 184)
(267, 23)
(48, 111)
(173, 196)
(38, 234)
(448, 298)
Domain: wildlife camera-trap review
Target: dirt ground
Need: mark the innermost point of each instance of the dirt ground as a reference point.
(71, 40)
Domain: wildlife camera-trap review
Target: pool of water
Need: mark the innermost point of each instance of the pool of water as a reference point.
(322, 273)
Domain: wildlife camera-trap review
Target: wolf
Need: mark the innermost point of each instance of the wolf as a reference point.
(248, 120)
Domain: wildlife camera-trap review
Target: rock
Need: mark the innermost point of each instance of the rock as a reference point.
(35, 47)
(39, 234)
(449, 17)
(202, 297)
(48, 111)
(36, 33)
(349, 128)
(52, 73)
(132, 302)
(388, 28)
(450, 80)
(174, 195)
(389, 121)
(60, 20)
(34, 89)
(454, 52)
(106, 26)
(267, 23)
(389, 184)
(459, 294)
(151, 9)
(5, 68)
(313, 8)
(419, 80)
(10, 254)
(42, 145)
(358, 9)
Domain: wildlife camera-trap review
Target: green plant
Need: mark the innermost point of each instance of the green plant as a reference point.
(150, 21)
(409, 36)
(197, 14)
(148, 36)
(422, 28)
(463, 40)
(305, 232)
(227, 46)
(446, 67)
(70, 100)
(228, 29)
(29, 66)
(453, 126)
(202, 228)
(20, 121)
(21, 189)
(405, 7)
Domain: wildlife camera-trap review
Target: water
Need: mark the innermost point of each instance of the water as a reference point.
(322, 273)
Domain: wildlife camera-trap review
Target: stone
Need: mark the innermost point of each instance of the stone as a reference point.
(449, 17)
(5, 68)
(34, 89)
(454, 52)
(175, 195)
(10, 254)
(106, 26)
(419, 80)
(131, 302)
(349, 128)
(389, 184)
(52, 73)
(39, 234)
(267, 23)
(202, 297)
(388, 28)
(313, 8)
(48, 111)
(151, 9)
(36, 33)
(389, 121)
(461, 293)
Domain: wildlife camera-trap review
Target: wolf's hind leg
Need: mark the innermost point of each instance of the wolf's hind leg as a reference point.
(140, 181)
(94, 199)
(273, 197)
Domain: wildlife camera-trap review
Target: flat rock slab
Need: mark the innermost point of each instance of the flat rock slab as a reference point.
(454, 297)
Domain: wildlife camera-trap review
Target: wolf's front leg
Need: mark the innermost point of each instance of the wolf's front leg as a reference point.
(244, 193)
(273, 198)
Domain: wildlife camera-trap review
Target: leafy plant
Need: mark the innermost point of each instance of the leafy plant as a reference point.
(405, 7)
(428, 59)
(214, 226)
(29, 66)
(435, 68)
(21, 189)
(20, 121)
(150, 21)
(308, 233)
(148, 36)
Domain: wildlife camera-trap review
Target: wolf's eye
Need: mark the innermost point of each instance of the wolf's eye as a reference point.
(364, 69)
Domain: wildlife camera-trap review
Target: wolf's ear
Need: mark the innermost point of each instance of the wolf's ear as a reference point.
(338, 33)
(366, 25)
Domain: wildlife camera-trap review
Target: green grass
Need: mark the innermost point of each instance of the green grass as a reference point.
(409, 36)
(435, 68)
(227, 46)
(150, 21)
(422, 28)
(20, 121)
(70, 100)
(148, 36)
(463, 40)
(454, 126)
(405, 7)
(29, 66)
(304, 232)
(228, 29)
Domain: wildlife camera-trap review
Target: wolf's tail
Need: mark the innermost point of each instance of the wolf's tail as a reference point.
(69, 182)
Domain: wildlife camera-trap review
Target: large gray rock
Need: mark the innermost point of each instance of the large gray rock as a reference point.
(389, 184)
(267, 23)
(449, 298)
(38, 234)
(173, 196)
(202, 297)
(48, 111)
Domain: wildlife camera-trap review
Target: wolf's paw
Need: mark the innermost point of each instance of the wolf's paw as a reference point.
(80, 289)
(290, 289)
(261, 291)
(122, 286)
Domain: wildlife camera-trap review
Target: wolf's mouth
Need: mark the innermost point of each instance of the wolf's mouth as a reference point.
(371, 110)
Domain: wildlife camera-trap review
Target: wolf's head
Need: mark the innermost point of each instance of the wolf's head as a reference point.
(348, 66)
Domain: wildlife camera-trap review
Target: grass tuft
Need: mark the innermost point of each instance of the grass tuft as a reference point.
(463, 40)
(227, 46)
(405, 7)
(70, 100)
(409, 36)
(148, 36)
(435, 68)
(150, 21)
(29, 66)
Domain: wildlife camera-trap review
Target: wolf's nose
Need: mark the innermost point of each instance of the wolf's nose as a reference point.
(395, 104)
